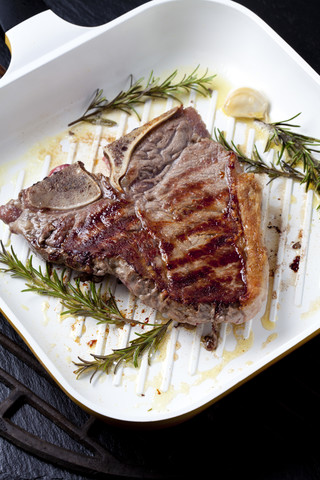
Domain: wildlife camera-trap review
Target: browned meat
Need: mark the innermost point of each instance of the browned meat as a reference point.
(177, 222)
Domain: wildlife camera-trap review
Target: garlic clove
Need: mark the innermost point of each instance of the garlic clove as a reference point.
(246, 103)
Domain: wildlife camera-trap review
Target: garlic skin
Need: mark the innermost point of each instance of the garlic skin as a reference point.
(246, 103)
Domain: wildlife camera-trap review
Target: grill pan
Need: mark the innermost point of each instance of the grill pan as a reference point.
(184, 378)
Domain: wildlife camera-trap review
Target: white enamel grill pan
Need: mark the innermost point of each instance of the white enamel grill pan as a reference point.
(55, 68)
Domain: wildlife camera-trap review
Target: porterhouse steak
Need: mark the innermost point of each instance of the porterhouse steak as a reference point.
(177, 221)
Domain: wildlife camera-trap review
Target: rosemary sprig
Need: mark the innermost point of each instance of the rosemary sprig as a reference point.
(256, 163)
(147, 341)
(298, 149)
(138, 93)
(78, 301)
(88, 302)
(295, 154)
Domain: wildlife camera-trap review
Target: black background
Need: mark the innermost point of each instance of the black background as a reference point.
(266, 429)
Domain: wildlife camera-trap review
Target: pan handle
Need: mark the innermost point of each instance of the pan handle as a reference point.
(35, 35)
(13, 12)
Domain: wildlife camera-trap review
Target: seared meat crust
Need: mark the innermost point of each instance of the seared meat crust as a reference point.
(183, 234)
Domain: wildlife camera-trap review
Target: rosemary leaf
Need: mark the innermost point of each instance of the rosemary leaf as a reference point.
(87, 302)
(138, 92)
(295, 150)
(147, 341)
(78, 301)
(256, 163)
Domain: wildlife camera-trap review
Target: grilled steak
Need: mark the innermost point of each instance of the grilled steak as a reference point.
(178, 222)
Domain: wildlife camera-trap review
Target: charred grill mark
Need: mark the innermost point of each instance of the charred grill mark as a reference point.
(166, 247)
(54, 233)
(174, 231)
(194, 197)
(188, 176)
(182, 281)
(225, 259)
(208, 250)
(182, 191)
(206, 270)
(216, 225)
(187, 210)
(95, 233)
(218, 277)
(215, 269)
(102, 230)
(191, 289)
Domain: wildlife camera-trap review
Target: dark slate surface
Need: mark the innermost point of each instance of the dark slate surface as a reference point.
(267, 429)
